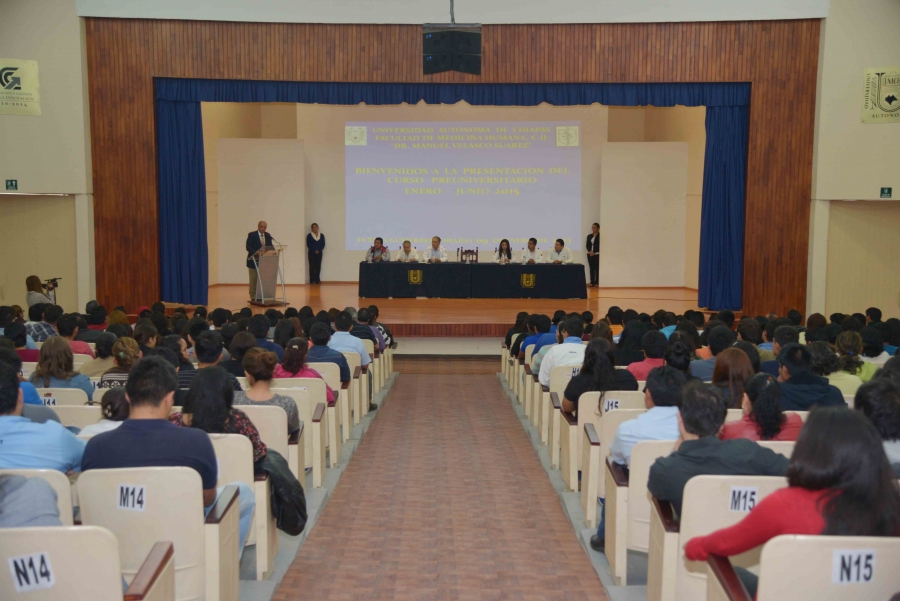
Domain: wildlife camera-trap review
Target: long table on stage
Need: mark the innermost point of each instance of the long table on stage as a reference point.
(471, 280)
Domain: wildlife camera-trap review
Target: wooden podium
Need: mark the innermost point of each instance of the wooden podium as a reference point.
(269, 264)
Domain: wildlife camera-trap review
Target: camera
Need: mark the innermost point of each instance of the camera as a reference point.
(51, 283)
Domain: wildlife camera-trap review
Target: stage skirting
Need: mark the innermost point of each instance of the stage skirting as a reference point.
(472, 280)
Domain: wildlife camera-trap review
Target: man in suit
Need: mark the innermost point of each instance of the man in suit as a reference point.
(256, 240)
(592, 246)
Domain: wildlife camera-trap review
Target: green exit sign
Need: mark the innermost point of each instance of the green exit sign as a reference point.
(886, 192)
(12, 184)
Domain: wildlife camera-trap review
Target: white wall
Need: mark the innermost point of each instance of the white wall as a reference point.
(642, 214)
(260, 180)
(467, 11)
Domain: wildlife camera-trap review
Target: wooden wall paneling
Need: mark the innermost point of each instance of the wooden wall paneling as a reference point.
(778, 58)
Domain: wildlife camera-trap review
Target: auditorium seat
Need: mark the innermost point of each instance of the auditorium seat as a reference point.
(28, 368)
(627, 507)
(78, 360)
(594, 456)
(143, 505)
(559, 379)
(234, 455)
(80, 563)
(80, 417)
(504, 358)
(376, 366)
(331, 373)
(62, 396)
(97, 397)
(821, 567)
(271, 422)
(525, 386)
(359, 386)
(315, 394)
(58, 481)
(709, 504)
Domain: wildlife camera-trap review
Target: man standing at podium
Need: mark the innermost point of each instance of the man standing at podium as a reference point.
(256, 240)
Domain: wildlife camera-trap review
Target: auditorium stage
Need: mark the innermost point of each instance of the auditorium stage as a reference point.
(482, 318)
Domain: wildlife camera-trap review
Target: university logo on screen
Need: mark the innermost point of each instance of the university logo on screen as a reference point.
(881, 100)
(415, 276)
(528, 280)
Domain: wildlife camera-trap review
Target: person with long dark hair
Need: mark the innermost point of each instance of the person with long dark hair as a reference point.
(849, 346)
(763, 418)
(284, 331)
(732, 369)
(178, 345)
(115, 409)
(518, 327)
(679, 354)
(598, 374)
(629, 349)
(259, 365)
(879, 400)
(294, 364)
(208, 406)
(839, 483)
(873, 346)
(503, 255)
(827, 364)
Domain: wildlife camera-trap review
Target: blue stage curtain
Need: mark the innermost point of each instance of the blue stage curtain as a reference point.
(722, 222)
(184, 266)
(182, 181)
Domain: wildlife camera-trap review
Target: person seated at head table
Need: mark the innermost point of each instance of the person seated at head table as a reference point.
(560, 254)
(378, 252)
(435, 253)
(503, 254)
(531, 254)
(408, 254)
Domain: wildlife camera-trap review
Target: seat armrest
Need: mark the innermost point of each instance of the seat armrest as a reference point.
(503, 345)
(554, 398)
(521, 358)
(364, 369)
(345, 385)
(294, 438)
(666, 515)
(570, 418)
(619, 474)
(260, 477)
(536, 378)
(591, 432)
(160, 555)
(318, 413)
(527, 370)
(545, 388)
(228, 498)
(357, 372)
(721, 568)
(331, 403)
(377, 353)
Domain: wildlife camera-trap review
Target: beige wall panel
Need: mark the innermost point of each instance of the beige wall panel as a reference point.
(863, 255)
(626, 124)
(54, 218)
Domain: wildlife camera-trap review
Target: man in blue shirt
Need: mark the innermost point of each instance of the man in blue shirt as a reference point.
(344, 342)
(549, 337)
(28, 445)
(539, 325)
(259, 327)
(720, 338)
(669, 321)
(320, 334)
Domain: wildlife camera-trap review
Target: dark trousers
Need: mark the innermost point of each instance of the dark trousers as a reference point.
(315, 268)
(594, 265)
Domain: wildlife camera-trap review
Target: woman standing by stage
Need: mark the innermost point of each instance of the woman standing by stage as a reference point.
(592, 247)
(315, 246)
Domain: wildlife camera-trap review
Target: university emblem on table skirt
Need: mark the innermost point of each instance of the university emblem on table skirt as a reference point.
(527, 280)
(415, 276)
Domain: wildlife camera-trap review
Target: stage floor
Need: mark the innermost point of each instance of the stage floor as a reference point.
(460, 317)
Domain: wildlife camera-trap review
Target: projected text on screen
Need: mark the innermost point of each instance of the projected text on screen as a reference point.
(471, 183)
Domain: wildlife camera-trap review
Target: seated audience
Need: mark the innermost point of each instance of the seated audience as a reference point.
(259, 327)
(46, 328)
(719, 339)
(614, 317)
(601, 330)
(839, 483)
(208, 406)
(517, 328)
(662, 396)
(178, 345)
(873, 346)
(259, 367)
(628, 348)
(588, 319)
(784, 335)
(749, 330)
(669, 322)
(209, 352)
(678, 355)
(104, 358)
(568, 351)
(125, 353)
(702, 347)
(732, 369)
(879, 400)
(146, 335)
(25, 444)
(654, 345)
(294, 365)
(549, 337)
(361, 329)
(763, 418)
(801, 389)
(377, 329)
(115, 409)
(284, 331)
(11, 358)
(826, 363)
(55, 368)
(343, 341)
(240, 344)
(17, 333)
(598, 374)
(147, 439)
(27, 502)
(752, 353)
(849, 347)
(67, 326)
(319, 335)
(892, 336)
(699, 451)
(117, 317)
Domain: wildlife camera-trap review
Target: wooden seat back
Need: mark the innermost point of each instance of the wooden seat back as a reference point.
(643, 455)
(80, 417)
(53, 397)
(609, 424)
(271, 422)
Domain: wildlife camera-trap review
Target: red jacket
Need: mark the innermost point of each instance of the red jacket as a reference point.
(746, 428)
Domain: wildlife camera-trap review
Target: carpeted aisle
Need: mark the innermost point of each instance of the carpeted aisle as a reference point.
(444, 499)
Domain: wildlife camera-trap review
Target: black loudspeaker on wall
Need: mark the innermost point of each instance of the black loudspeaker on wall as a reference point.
(451, 48)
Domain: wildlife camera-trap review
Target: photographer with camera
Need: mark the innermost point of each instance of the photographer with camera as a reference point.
(36, 290)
